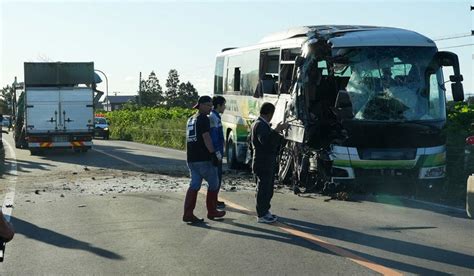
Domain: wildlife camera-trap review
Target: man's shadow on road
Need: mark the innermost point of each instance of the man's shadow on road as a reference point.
(34, 232)
(387, 244)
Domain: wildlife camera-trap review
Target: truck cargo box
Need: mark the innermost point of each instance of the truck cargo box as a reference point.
(50, 110)
(58, 73)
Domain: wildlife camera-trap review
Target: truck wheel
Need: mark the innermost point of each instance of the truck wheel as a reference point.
(231, 153)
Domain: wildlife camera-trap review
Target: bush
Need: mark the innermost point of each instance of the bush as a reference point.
(459, 164)
(156, 126)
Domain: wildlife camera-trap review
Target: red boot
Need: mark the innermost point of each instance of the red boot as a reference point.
(211, 203)
(189, 204)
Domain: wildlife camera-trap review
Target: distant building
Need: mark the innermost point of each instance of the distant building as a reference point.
(112, 103)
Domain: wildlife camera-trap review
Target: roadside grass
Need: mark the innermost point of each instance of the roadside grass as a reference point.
(459, 156)
(459, 165)
(158, 126)
(163, 133)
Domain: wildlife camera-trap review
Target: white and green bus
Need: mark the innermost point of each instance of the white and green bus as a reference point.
(363, 102)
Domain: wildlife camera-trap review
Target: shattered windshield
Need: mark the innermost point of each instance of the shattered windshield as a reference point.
(392, 83)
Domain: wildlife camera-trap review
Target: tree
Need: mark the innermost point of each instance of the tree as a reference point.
(187, 95)
(152, 93)
(7, 101)
(172, 85)
(131, 105)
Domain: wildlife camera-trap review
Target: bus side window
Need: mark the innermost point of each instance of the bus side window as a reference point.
(233, 75)
(286, 74)
(237, 79)
(219, 76)
(287, 65)
(269, 63)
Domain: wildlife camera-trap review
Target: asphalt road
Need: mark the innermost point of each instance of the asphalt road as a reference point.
(117, 210)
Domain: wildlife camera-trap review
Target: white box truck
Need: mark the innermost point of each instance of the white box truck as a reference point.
(56, 108)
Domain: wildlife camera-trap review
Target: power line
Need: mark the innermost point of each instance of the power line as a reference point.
(453, 37)
(458, 46)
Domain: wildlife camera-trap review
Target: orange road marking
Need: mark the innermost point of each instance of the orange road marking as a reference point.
(314, 239)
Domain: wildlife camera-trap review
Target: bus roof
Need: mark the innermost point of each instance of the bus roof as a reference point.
(349, 36)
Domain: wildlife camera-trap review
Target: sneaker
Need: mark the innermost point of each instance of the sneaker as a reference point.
(268, 218)
(270, 214)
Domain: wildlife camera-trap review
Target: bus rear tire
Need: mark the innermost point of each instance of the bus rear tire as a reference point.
(231, 154)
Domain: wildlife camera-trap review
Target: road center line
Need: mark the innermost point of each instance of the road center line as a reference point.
(319, 242)
(118, 158)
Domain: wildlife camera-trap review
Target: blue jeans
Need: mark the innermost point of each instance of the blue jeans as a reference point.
(203, 170)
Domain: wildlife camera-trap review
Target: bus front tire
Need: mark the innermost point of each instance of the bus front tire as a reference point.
(285, 166)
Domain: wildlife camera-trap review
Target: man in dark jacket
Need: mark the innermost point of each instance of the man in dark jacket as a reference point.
(265, 142)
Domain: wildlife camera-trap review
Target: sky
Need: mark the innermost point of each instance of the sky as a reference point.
(124, 38)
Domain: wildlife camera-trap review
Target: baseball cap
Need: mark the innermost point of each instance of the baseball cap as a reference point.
(203, 99)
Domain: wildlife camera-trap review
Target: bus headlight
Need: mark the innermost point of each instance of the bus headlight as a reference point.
(433, 172)
(106, 129)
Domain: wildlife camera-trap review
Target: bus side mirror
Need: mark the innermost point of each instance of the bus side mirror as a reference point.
(451, 60)
(458, 91)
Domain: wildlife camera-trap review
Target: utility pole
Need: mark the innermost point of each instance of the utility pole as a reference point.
(140, 90)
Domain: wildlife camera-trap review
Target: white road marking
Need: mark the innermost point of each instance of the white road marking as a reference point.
(459, 210)
(118, 158)
(7, 206)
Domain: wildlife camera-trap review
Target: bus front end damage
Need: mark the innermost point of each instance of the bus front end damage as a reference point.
(361, 112)
(315, 124)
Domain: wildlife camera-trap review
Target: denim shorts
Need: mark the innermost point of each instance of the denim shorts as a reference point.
(203, 170)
